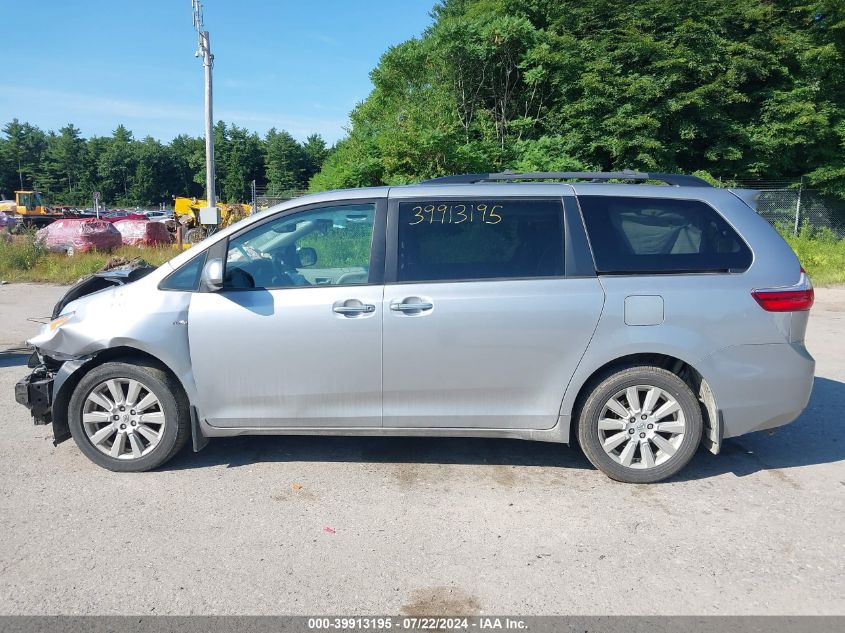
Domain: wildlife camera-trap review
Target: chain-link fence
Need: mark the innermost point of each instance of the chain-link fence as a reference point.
(788, 205)
(264, 198)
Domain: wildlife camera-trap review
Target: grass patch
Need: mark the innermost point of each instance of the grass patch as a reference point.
(21, 259)
(821, 254)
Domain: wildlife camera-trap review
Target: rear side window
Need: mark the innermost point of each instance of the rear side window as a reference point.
(448, 240)
(659, 235)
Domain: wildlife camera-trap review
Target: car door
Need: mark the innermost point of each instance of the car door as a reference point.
(293, 339)
(482, 326)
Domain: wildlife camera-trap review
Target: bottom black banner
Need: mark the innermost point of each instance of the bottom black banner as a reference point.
(535, 624)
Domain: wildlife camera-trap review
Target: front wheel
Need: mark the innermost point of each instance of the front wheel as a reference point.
(640, 425)
(128, 418)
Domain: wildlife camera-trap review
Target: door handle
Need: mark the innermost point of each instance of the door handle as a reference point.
(411, 307)
(360, 309)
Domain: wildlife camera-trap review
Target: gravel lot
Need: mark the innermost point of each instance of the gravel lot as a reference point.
(423, 525)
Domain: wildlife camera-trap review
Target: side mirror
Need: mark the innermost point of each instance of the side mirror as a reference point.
(307, 256)
(212, 275)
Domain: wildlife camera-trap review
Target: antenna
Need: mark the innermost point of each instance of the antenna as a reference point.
(199, 27)
(204, 51)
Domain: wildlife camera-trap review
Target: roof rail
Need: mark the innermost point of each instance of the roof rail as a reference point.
(676, 180)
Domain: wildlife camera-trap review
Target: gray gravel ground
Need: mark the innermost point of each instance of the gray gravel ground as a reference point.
(424, 525)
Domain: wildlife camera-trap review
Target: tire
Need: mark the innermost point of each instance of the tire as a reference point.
(647, 449)
(160, 429)
(194, 236)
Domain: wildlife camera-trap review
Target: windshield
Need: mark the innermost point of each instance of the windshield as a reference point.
(30, 200)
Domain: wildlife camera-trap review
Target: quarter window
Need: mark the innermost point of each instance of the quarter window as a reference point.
(661, 235)
(320, 247)
(446, 240)
(187, 276)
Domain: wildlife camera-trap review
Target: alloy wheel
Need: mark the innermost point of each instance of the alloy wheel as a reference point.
(641, 426)
(123, 418)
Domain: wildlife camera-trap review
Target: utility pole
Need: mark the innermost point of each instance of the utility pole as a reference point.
(204, 51)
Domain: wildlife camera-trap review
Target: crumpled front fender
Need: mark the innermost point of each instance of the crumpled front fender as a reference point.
(137, 317)
(62, 391)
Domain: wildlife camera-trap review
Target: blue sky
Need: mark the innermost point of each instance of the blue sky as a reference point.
(299, 66)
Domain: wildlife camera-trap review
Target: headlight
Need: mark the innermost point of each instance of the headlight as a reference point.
(55, 324)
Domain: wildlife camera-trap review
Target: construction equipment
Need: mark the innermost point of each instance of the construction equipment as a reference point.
(30, 206)
(189, 213)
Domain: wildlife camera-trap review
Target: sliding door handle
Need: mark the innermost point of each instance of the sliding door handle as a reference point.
(410, 307)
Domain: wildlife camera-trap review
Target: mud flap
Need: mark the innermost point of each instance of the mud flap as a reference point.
(713, 434)
(199, 439)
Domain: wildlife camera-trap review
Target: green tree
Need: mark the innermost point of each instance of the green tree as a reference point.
(736, 88)
(244, 163)
(285, 161)
(184, 151)
(116, 167)
(63, 165)
(25, 145)
(314, 151)
(155, 179)
(8, 174)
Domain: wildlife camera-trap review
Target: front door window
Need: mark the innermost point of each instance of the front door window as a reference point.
(329, 246)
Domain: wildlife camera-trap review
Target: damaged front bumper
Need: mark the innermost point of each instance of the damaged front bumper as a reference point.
(35, 392)
(42, 392)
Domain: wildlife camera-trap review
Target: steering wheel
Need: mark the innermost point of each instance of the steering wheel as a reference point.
(243, 252)
(282, 273)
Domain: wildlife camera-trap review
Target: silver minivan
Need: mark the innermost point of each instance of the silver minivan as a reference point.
(638, 320)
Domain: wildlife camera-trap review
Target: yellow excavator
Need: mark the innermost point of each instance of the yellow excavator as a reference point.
(30, 206)
(186, 211)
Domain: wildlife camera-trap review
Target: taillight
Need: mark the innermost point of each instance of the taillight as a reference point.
(788, 299)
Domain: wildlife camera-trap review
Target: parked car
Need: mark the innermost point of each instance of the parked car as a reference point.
(116, 217)
(638, 320)
(158, 216)
(142, 232)
(74, 235)
(79, 213)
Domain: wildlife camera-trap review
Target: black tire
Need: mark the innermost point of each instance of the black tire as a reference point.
(610, 384)
(173, 403)
(194, 236)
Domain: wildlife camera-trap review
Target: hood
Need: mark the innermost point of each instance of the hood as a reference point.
(103, 280)
(86, 320)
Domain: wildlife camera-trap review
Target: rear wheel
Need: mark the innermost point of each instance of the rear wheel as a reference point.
(127, 417)
(640, 425)
(194, 235)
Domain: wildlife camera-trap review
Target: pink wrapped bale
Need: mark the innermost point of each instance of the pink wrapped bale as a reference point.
(142, 232)
(85, 235)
